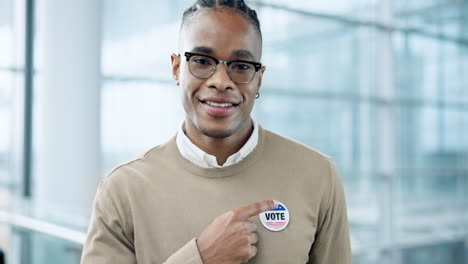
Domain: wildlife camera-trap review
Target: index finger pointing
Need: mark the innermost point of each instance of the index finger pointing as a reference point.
(245, 212)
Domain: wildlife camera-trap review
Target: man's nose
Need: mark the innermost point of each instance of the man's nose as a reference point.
(220, 79)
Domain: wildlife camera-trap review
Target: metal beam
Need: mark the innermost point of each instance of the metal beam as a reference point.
(28, 98)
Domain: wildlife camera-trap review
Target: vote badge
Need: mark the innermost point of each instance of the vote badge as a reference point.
(276, 219)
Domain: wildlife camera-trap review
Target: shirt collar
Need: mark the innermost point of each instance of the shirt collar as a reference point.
(199, 157)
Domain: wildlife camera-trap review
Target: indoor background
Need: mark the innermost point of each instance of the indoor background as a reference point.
(381, 86)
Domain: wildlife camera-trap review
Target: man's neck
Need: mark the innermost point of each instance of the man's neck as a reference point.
(221, 148)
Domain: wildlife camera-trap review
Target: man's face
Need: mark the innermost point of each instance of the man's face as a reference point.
(225, 36)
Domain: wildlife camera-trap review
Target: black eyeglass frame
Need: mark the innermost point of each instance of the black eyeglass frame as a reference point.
(257, 65)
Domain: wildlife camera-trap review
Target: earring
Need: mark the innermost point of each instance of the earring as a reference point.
(257, 95)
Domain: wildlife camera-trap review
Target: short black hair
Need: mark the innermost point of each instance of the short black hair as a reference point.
(232, 5)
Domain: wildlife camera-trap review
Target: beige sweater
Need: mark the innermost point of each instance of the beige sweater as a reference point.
(152, 209)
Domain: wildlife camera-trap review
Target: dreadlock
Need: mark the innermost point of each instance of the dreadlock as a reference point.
(232, 5)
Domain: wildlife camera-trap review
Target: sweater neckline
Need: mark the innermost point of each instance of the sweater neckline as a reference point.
(219, 172)
(196, 155)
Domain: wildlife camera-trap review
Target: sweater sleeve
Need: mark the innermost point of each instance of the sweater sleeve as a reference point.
(188, 254)
(107, 241)
(332, 245)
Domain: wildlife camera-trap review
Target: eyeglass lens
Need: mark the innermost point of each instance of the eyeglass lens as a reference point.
(204, 67)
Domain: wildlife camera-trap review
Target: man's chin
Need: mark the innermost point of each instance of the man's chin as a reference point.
(216, 133)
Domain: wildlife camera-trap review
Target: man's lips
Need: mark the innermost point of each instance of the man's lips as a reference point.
(219, 100)
(219, 107)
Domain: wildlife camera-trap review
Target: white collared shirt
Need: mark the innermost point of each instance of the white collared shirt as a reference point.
(199, 157)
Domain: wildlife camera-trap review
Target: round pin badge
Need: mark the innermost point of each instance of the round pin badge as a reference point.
(276, 219)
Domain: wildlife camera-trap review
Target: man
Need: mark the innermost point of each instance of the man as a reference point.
(203, 197)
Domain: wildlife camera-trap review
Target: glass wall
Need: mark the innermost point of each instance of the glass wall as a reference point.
(380, 86)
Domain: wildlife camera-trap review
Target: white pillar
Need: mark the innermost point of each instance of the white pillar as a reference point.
(17, 124)
(67, 122)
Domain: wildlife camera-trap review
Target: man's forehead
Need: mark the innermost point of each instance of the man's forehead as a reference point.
(221, 33)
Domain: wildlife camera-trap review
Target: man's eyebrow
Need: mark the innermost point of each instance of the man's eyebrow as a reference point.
(202, 49)
(244, 54)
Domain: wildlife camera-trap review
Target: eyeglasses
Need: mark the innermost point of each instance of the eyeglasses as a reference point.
(204, 66)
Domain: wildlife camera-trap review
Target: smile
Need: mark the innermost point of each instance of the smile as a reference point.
(219, 109)
(218, 104)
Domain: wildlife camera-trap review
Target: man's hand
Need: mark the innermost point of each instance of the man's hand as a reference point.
(230, 238)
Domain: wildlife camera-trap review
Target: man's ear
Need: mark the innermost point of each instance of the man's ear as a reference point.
(260, 76)
(175, 59)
